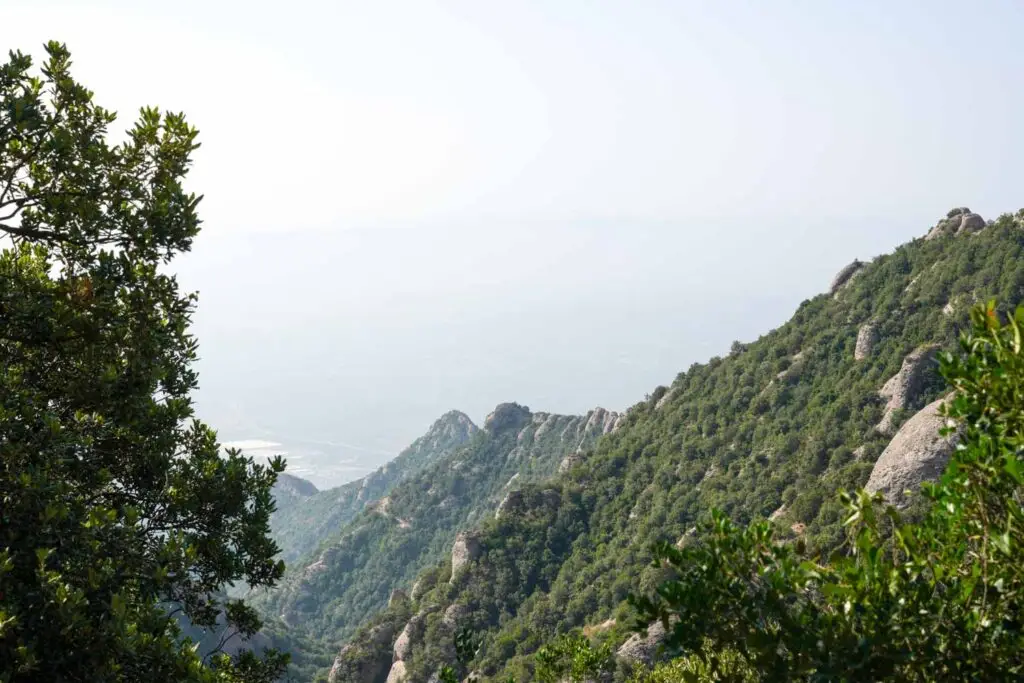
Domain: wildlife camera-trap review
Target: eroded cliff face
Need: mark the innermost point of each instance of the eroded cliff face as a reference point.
(384, 546)
(307, 520)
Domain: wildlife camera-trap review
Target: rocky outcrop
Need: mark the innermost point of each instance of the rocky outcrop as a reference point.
(778, 513)
(467, 548)
(867, 338)
(520, 502)
(916, 454)
(454, 615)
(640, 649)
(959, 221)
(570, 461)
(507, 416)
(411, 632)
(512, 503)
(844, 276)
(367, 662)
(397, 597)
(397, 673)
(906, 385)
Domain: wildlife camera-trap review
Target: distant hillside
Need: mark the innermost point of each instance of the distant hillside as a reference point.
(773, 429)
(385, 546)
(305, 516)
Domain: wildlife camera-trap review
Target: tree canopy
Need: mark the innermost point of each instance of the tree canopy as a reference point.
(118, 511)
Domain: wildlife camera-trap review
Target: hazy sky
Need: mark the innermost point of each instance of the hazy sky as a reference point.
(416, 206)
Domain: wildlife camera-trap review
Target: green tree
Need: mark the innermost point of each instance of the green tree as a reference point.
(118, 513)
(938, 599)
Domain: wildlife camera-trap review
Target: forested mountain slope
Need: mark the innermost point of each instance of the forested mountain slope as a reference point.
(353, 573)
(774, 429)
(305, 516)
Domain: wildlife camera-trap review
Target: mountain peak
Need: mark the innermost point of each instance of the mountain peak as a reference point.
(506, 416)
(295, 485)
(958, 221)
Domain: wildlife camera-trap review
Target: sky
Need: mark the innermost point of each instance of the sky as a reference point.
(416, 206)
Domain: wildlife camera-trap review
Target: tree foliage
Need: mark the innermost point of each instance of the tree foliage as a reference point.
(937, 599)
(118, 512)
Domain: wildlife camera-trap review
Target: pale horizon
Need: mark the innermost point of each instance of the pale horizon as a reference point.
(413, 207)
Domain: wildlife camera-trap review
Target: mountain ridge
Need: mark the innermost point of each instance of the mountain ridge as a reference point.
(773, 429)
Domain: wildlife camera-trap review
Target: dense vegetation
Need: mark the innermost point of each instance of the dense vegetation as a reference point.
(119, 512)
(302, 522)
(780, 425)
(353, 573)
(123, 524)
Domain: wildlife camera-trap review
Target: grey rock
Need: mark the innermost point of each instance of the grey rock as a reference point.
(397, 673)
(906, 385)
(507, 416)
(958, 221)
(867, 338)
(466, 549)
(454, 614)
(917, 453)
(642, 649)
(397, 597)
(366, 662)
(570, 461)
(844, 276)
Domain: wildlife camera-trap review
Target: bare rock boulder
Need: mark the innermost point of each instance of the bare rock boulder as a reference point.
(514, 502)
(455, 614)
(906, 385)
(365, 662)
(640, 649)
(397, 597)
(844, 276)
(467, 548)
(917, 453)
(397, 673)
(867, 339)
(506, 416)
(570, 461)
(959, 221)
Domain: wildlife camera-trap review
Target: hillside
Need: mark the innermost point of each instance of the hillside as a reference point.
(305, 516)
(774, 429)
(384, 547)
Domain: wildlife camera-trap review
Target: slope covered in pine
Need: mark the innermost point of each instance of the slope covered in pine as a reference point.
(353, 573)
(774, 429)
(305, 516)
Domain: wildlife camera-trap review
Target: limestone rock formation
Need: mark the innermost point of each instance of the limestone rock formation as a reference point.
(640, 649)
(665, 398)
(397, 597)
(959, 221)
(506, 416)
(867, 338)
(570, 461)
(512, 503)
(367, 662)
(844, 276)
(454, 614)
(417, 590)
(466, 549)
(397, 673)
(906, 385)
(412, 631)
(916, 454)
